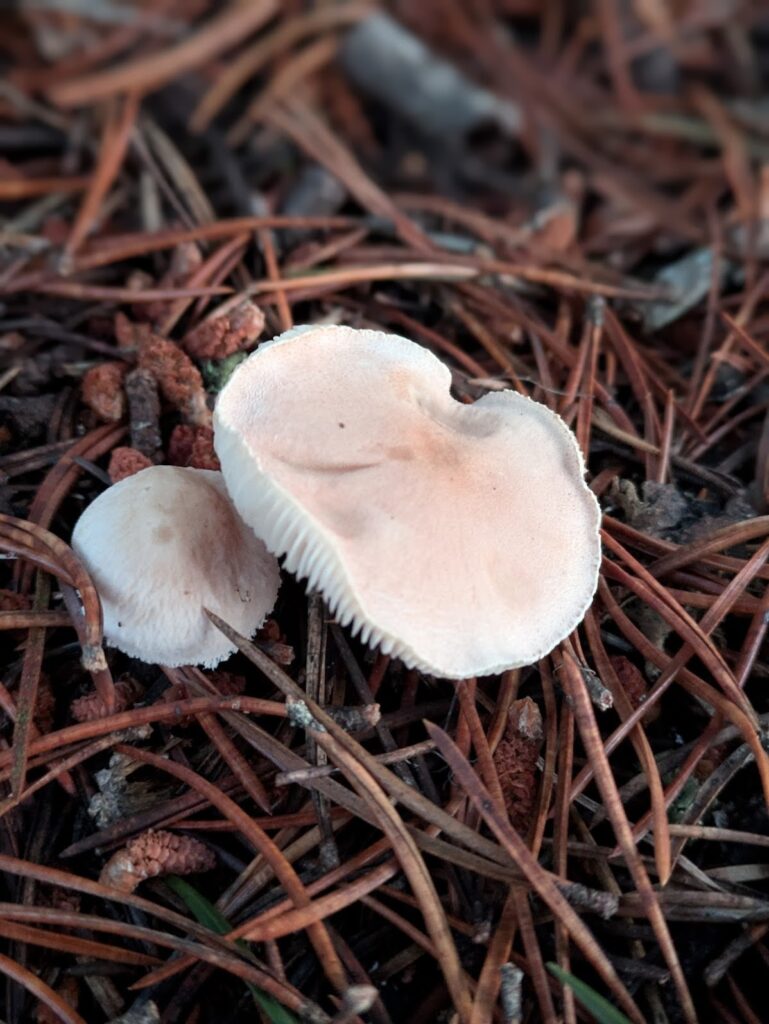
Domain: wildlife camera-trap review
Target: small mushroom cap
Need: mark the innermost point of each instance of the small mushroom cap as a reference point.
(461, 539)
(160, 546)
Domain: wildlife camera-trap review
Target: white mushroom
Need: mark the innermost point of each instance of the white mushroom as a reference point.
(160, 546)
(459, 538)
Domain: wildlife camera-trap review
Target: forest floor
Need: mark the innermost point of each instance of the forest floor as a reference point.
(571, 200)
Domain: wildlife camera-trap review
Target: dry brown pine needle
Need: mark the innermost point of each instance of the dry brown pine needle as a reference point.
(68, 989)
(185, 260)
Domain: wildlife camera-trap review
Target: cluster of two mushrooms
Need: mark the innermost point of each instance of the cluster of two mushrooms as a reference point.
(461, 539)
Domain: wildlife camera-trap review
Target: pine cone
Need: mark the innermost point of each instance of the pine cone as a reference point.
(155, 853)
(91, 706)
(45, 705)
(225, 334)
(634, 685)
(516, 761)
(10, 601)
(193, 447)
(68, 989)
(177, 376)
(102, 391)
(124, 462)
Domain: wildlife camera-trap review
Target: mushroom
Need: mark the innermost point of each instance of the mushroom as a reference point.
(160, 546)
(461, 539)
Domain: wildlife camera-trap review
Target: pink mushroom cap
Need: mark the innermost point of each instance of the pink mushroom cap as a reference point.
(161, 546)
(461, 539)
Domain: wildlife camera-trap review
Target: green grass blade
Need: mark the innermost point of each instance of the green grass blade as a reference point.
(202, 910)
(211, 917)
(600, 1008)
